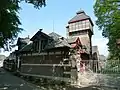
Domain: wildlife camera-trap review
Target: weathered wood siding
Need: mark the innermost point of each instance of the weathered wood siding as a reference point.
(42, 59)
(43, 70)
(46, 64)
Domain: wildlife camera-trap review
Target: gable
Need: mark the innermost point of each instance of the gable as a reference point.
(78, 41)
(74, 40)
(39, 36)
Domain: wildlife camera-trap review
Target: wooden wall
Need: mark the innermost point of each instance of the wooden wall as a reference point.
(42, 59)
(43, 70)
(45, 64)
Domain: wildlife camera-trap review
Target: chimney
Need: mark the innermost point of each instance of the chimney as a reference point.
(40, 30)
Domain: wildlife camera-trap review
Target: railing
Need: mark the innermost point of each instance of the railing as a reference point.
(102, 66)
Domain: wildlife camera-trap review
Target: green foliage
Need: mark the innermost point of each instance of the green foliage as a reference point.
(108, 20)
(9, 20)
(37, 3)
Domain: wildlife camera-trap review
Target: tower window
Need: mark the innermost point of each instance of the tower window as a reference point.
(81, 25)
(77, 33)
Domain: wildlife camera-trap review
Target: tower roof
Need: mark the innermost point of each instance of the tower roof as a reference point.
(80, 15)
(80, 12)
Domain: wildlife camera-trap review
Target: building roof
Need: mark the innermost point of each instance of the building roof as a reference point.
(27, 47)
(23, 40)
(72, 40)
(79, 12)
(38, 34)
(80, 16)
(54, 35)
(84, 40)
(57, 41)
(85, 43)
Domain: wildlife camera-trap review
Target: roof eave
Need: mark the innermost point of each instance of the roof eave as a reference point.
(77, 20)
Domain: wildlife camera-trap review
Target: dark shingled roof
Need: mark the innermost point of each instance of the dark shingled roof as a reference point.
(54, 35)
(79, 12)
(27, 47)
(23, 40)
(38, 34)
(80, 16)
(57, 41)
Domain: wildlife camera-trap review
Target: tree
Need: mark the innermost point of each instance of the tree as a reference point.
(108, 20)
(9, 20)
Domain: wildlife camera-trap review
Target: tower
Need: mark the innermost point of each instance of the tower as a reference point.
(81, 26)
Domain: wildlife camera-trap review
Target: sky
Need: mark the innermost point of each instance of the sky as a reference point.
(59, 12)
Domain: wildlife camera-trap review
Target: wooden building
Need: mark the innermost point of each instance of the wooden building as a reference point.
(46, 56)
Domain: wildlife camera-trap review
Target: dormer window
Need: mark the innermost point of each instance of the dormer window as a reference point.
(40, 39)
(43, 44)
(36, 46)
(39, 45)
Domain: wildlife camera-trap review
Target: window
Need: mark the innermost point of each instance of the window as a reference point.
(77, 25)
(87, 25)
(83, 24)
(80, 22)
(73, 28)
(36, 45)
(43, 44)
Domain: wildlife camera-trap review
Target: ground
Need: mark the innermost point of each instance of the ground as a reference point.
(10, 82)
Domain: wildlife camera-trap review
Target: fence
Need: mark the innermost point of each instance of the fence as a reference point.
(103, 67)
